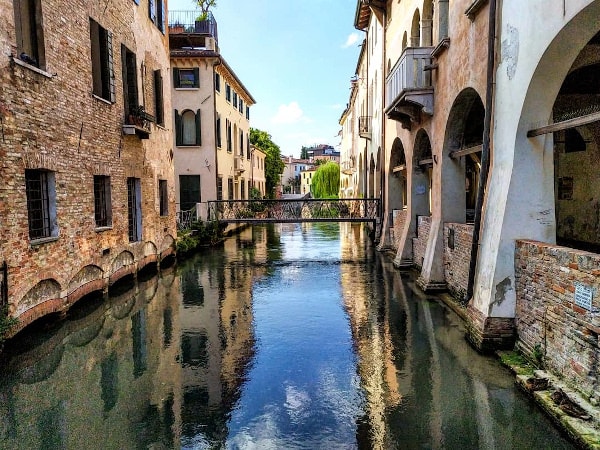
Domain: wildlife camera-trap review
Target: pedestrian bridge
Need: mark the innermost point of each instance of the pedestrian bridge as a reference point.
(295, 210)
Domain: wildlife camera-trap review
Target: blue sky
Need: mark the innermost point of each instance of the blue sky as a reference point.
(296, 58)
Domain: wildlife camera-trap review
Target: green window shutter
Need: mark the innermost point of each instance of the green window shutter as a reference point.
(178, 129)
(176, 77)
(198, 128)
(111, 67)
(196, 77)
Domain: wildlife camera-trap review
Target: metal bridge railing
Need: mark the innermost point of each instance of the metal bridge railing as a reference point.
(295, 210)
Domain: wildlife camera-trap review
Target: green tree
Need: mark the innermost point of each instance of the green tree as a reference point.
(304, 152)
(273, 164)
(326, 181)
(205, 6)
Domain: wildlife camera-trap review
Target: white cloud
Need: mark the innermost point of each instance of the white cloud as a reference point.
(351, 40)
(289, 114)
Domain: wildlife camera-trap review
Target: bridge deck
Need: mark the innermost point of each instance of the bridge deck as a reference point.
(295, 210)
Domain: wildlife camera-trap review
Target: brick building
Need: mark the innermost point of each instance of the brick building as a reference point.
(87, 194)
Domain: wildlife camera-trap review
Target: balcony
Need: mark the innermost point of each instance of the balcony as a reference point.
(365, 127)
(137, 122)
(186, 31)
(238, 165)
(348, 167)
(408, 90)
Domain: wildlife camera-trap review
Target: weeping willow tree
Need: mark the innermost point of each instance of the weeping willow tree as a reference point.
(326, 181)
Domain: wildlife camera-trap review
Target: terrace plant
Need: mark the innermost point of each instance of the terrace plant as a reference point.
(204, 6)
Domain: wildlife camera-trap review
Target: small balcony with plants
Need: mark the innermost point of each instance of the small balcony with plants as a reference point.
(192, 29)
(408, 89)
(138, 122)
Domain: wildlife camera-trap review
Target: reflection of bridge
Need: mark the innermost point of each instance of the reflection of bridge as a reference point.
(295, 210)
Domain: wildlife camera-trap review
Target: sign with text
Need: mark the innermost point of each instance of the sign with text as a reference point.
(584, 295)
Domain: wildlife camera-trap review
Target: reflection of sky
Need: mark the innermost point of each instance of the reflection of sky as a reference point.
(303, 390)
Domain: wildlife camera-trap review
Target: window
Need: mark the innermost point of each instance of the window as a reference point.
(103, 73)
(189, 191)
(188, 128)
(130, 91)
(248, 146)
(41, 203)
(227, 92)
(163, 198)
(235, 99)
(242, 143)
(102, 201)
(217, 82)
(241, 106)
(186, 78)
(134, 209)
(159, 110)
(218, 130)
(242, 190)
(29, 29)
(156, 12)
(219, 188)
(230, 188)
(247, 113)
(228, 134)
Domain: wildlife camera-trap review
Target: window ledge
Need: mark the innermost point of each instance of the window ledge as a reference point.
(188, 146)
(40, 241)
(100, 99)
(18, 62)
(441, 47)
(101, 229)
(474, 8)
(187, 89)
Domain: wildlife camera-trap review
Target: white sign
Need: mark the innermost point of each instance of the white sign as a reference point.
(584, 295)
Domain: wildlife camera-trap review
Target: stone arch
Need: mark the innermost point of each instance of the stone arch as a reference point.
(378, 172)
(44, 291)
(404, 41)
(397, 182)
(460, 174)
(361, 176)
(427, 24)
(167, 246)
(122, 265)
(415, 31)
(89, 279)
(422, 178)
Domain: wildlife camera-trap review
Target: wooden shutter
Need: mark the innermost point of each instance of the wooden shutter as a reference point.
(111, 67)
(124, 76)
(196, 77)
(161, 15)
(198, 128)
(178, 129)
(152, 10)
(176, 77)
(158, 98)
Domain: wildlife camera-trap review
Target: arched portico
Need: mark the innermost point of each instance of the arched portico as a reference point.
(520, 203)
(457, 169)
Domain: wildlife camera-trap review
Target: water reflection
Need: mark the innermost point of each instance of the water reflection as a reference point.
(291, 336)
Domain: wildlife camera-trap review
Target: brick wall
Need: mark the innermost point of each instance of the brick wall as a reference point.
(550, 325)
(457, 259)
(51, 121)
(420, 242)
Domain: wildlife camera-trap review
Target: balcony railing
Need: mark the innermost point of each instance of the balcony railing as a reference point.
(409, 81)
(185, 22)
(138, 121)
(365, 127)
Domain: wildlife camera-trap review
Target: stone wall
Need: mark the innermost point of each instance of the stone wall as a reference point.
(399, 217)
(420, 242)
(51, 121)
(458, 258)
(551, 327)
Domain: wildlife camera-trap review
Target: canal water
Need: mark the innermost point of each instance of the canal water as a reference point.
(287, 337)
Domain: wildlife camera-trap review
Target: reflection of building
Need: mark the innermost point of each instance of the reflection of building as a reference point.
(476, 181)
(212, 118)
(87, 194)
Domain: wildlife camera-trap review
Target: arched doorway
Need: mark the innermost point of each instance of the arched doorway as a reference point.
(462, 157)
(372, 177)
(415, 32)
(378, 171)
(397, 181)
(427, 24)
(422, 178)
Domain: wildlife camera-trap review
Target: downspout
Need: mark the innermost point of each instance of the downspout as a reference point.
(485, 151)
(215, 114)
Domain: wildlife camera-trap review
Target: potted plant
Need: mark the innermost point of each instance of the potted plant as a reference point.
(204, 6)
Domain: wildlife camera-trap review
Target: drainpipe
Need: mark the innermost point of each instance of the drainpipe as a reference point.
(485, 151)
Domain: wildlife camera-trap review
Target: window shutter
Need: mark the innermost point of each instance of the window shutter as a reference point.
(176, 77)
(111, 67)
(161, 16)
(125, 84)
(198, 128)
(178, 129)
(196, 77)
(152, 10)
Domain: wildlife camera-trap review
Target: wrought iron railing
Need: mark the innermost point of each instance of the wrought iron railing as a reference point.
(295, 210)
(186, 218)
(186, 22)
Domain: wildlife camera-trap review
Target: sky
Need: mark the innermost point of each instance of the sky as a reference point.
(296, 58)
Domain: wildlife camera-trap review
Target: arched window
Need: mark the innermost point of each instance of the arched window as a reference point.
(188, 129)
